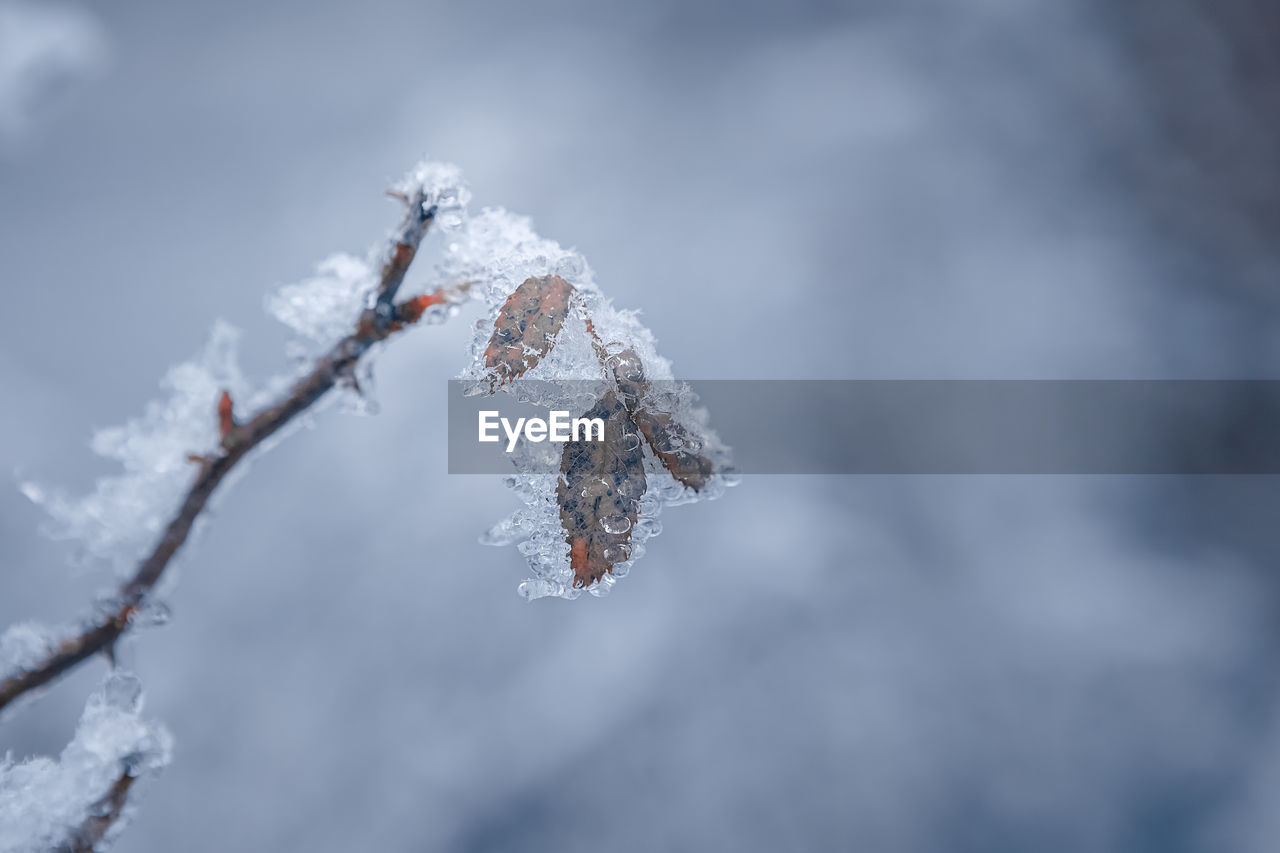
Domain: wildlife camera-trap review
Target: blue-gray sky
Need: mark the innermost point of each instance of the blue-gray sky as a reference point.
(807, 190)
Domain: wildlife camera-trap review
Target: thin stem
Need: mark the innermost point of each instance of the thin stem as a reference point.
(101, 817)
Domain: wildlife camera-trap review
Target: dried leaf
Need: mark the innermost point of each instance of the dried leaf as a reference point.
(527, 326)
(667, 438)
(601, 483)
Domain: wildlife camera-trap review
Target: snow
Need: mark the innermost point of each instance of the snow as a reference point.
(497, 250)
(23, 645)
(443, 185)
(122, 517)
(42, 800)
(323, 308)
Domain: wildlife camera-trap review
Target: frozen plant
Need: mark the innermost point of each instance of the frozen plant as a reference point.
(579, 530)
(548, 320)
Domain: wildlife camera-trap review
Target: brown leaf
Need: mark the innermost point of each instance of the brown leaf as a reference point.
(601, 483)
(666, 436)
(667, 439)
(527, 326)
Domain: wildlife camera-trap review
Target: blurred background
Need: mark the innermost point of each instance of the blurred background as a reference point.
(912, 189)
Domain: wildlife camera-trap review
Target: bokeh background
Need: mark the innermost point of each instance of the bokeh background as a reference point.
(910, 189)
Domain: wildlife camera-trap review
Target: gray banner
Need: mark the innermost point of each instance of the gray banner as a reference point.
(928, 427)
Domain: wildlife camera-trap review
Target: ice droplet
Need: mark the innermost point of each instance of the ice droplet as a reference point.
(150, 615)
(618, 553)
(646, 528)
(123, 691)
(615, 524)
(571, 268)
(504, 532)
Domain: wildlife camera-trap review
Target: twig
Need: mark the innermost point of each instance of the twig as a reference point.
(101, 817)
(374, 325)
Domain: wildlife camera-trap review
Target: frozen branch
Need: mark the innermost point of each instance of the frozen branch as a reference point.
(374, 325)
(101, 818)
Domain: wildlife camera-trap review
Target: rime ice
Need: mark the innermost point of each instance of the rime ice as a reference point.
(23, 645)
(442, 184)
(125, 513)
(43, 801)
(324, 308)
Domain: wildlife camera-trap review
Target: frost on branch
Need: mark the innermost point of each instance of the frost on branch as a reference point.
(44, 802)
(125, 513)
(24, 645)
(320, 309)
(527, 326)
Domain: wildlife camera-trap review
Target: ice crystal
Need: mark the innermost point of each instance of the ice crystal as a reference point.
(43, 801)
(441, 183)
(24, 645)
(125, 513)
(322, 309)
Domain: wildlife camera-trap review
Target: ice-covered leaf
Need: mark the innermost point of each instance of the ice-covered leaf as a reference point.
(599, 491)
(666, 437)
(670, 440)
(496, 252)
(527, 326)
